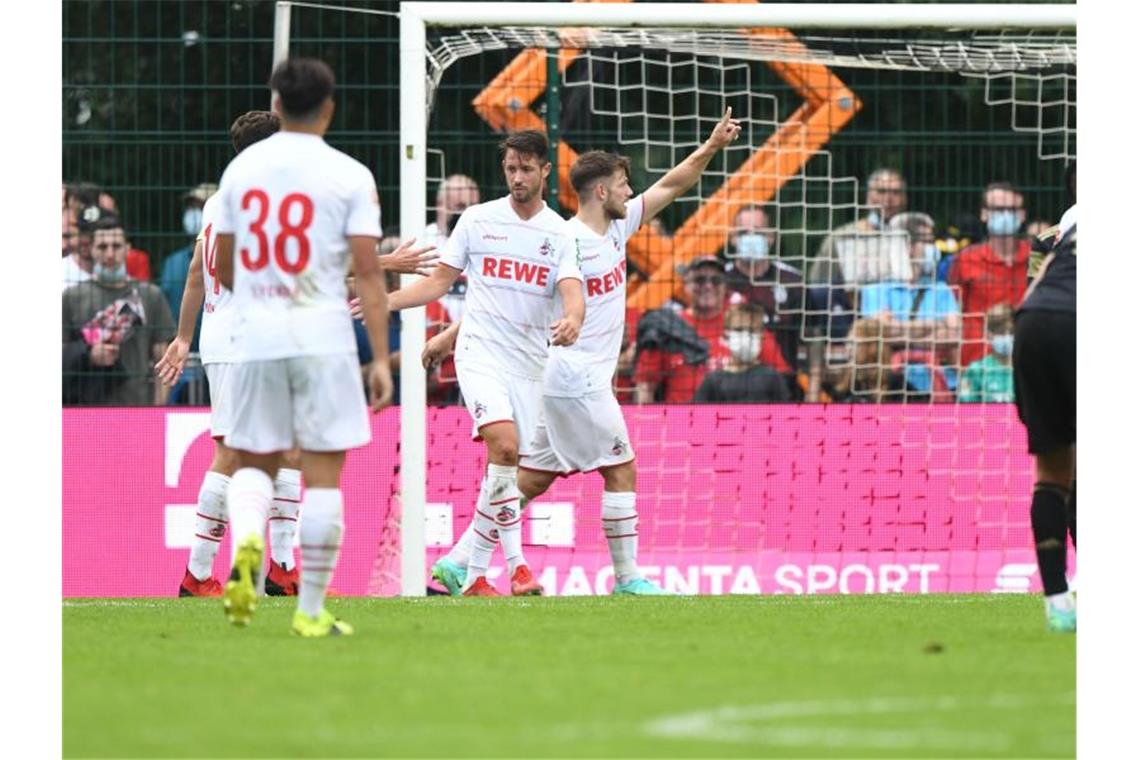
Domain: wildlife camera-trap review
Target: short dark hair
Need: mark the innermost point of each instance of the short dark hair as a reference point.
(1000, 185)
(251, 127)
(594, 165)
(107, 221)
(86, 193)
(528, 142)
(302, 84)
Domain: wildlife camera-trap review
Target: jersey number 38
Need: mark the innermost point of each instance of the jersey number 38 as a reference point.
(296, 230)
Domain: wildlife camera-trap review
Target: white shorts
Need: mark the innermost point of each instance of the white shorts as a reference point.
(221, 415)
(313, 402)
(580, 435)
(495, 396)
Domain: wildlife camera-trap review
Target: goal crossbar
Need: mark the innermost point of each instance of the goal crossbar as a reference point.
(807, 15)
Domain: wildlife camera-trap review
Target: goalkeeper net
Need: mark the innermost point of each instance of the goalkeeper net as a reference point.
(893, 460)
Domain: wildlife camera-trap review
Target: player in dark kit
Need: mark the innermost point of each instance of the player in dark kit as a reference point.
(1045, 384)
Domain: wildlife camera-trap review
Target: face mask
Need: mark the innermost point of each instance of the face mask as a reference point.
(1002, 344)
(1003, 223)
(743, 344)
(929, 259)
(752, 246)
(110, 274)
(192, 220)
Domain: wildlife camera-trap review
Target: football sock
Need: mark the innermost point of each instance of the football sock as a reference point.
(209, 524)
(619, 521)
(250, 496)
(503, 503)
(321, 533)
(485, 534)
(460, 554)
(283, 516)
(1047, 515)
(1071, 513)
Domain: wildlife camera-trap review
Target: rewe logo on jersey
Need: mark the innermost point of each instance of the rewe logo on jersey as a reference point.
(519, 271)
(596, 286)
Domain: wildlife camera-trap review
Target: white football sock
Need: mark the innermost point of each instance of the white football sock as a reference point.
(209, 524)
(619, 521)
(321, 534)
(249, 497)
(503, 505)
(460, 554)
(283, 516)
(485, 535)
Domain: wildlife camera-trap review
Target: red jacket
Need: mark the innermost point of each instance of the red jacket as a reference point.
(985, 280)
(681, 380)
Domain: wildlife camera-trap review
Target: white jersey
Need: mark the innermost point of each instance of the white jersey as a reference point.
(455, 299)
(1068, 219)
(291, 201)
(513, 266)
(588, 365)
(217, 316)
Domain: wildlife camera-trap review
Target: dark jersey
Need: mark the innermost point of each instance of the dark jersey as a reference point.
(756, 385)
(1057, 289)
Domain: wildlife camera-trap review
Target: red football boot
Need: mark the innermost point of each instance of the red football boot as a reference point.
(525, 584)
(281, 582)
(481, 588)
(191, 586)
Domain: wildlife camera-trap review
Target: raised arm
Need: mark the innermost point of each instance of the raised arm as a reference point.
(685, 174)
(170, 366)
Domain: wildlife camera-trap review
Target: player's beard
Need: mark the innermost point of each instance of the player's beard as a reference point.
(525, 195)
(614, 210)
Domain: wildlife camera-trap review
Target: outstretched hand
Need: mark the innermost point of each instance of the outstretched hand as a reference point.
(409, 260)
(726, 131)
(169, 367)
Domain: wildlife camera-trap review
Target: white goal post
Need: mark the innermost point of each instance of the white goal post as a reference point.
(415, 95)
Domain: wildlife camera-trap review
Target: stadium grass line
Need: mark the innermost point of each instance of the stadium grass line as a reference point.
(446, 677)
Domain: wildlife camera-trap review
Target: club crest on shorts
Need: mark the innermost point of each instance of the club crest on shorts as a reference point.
(480, 410)
(546, 248)
(619, 447)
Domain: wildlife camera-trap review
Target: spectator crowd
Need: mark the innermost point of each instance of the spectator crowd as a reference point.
(892, 307)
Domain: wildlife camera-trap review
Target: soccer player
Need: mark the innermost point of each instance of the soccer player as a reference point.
(291, 212)
(212, 516)
(1045, 388)
(582, 428)
(517, 256)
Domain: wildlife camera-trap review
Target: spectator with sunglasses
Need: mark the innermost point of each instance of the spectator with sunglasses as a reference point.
(675, 348)
(114, 328)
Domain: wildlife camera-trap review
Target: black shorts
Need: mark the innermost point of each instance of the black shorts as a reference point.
(1045, 377)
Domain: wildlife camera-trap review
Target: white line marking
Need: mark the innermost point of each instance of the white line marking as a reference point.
(738, 724)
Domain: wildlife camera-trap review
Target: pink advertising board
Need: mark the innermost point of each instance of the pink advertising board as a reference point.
(774, 499)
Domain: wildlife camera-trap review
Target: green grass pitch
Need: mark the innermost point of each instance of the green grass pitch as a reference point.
(837, 676)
